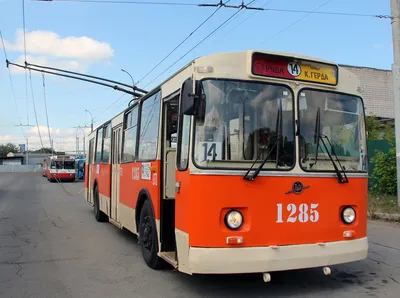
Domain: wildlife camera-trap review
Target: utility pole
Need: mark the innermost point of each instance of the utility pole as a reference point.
(77, 140)
(91, 116)
(27, 152)
(395, 11)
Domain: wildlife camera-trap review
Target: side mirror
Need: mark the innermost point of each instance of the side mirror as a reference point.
(188, 98)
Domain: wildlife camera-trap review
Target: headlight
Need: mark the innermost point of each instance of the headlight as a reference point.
(234, 219)
(348, 215)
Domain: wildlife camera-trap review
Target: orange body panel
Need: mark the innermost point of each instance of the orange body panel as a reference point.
(131, 183)
(203, 201)
(86, 176)
(102, 173)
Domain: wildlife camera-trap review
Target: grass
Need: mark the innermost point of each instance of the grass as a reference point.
(383, 203)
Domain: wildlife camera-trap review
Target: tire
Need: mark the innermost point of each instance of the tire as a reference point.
(148, 237)
(99, 215)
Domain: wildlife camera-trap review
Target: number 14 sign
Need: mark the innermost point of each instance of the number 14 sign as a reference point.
(210, 150)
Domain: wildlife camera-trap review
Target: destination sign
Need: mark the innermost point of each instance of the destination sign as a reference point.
(294, 69)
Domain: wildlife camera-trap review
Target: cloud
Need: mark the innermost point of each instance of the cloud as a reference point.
(71, 65)
(380, 46)
(51, 44)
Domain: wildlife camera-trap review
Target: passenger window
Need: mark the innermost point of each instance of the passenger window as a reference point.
(183, 151)
(172, 122)
(149, 122)
(106, 144)
(98, 145)
(129, 146)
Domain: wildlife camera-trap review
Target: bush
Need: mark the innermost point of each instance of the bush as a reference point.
(385, 172)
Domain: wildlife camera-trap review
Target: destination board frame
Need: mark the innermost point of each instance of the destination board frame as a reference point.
(289, 59)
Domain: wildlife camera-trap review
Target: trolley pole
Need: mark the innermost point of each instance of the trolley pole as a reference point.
(395, 10)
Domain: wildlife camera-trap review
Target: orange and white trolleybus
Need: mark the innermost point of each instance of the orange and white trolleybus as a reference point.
(244, 162)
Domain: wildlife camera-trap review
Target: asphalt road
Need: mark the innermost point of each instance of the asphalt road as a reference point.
(51, 246)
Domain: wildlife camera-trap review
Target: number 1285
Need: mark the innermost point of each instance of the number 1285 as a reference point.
(305, 213)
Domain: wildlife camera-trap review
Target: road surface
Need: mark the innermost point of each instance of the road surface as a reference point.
(51, 246)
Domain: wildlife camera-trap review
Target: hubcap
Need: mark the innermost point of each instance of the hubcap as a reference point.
(146, 236)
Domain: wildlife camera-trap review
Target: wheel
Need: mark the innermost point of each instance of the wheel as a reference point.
(148, 237)
(98, 214)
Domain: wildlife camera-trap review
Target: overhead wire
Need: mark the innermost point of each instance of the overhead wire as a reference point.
(183, 41)
(330, 13)
(122, 2)
(295, 22)
(238, 14)
(246, 19)
(30, 77)
(195, 46)
(34, 109)
(210, 5)
(45, 106)
(26, 74)
(12, 84)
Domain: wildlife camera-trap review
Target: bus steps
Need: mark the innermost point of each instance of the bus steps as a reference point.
(115, 223)
(169, 257)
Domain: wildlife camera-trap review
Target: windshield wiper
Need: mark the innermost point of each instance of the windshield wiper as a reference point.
(317, 137)
(278, 135)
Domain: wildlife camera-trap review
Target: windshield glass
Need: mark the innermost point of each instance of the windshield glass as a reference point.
(237, 120)
(341, 121)
(69, 165)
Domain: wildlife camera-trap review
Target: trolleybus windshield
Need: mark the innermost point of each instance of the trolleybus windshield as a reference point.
(239, 119)
(341, 119)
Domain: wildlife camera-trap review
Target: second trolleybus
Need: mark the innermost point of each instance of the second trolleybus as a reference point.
(243, 162)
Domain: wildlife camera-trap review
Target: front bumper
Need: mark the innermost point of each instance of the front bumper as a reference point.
(268, 259)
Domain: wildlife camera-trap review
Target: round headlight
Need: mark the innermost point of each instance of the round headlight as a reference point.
(348, 215)
(234, 219)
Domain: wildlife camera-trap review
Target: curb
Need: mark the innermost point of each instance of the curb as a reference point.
(395, 217)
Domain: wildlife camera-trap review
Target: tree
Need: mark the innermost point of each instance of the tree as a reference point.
(384, 172)
(43, 150)
(373, 128)
(7, 148)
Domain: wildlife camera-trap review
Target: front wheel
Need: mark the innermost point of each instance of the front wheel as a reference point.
(148, 237)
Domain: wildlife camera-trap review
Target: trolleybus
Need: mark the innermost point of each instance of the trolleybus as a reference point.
(242, 162)
(61, 168)
(80, 168)
(45, 166)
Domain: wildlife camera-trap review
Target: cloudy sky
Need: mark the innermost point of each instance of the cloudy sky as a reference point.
(100, 39)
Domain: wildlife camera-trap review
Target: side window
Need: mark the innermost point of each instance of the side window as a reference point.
(97, 158)
(129, 145)
(149, 121)
(106, 143)
(183, 150)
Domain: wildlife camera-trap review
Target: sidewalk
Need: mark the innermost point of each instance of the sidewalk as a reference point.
(395, 217)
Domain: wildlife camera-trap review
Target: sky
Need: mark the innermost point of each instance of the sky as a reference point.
(101, 39)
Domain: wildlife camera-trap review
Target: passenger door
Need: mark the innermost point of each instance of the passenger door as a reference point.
(90, 172)
(115, 171)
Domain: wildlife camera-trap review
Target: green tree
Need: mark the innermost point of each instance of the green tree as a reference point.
(7, 148)
(384, 173)
(373, 128)
(43, 150)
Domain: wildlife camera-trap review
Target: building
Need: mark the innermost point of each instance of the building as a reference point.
(11, 160)
(377, 91)
(34, 159)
